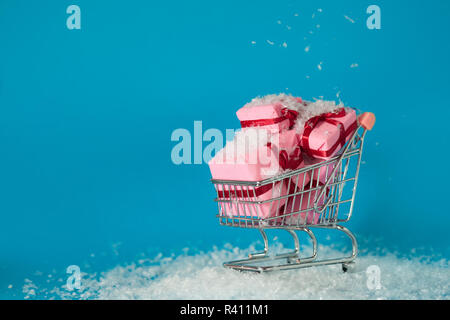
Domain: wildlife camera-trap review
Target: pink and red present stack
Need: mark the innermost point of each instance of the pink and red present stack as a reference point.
(279, 136)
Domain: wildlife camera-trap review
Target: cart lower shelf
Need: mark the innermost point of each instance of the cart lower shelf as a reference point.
(264, 262)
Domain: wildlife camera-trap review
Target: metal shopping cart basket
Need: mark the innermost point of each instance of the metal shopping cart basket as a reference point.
(328, 205)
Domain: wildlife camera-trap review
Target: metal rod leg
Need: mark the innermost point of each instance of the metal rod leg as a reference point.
(296, 241)
(266, 247)
(354, 242)
(292, 254)
(314, 243)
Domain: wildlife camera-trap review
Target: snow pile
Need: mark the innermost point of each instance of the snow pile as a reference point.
(201, 276)
(286, 100)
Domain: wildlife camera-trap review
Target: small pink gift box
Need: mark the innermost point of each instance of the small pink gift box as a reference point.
(280, 152)
(326, 134)
(263, 163)
(261, 159)
(303, 202)
(274, 117)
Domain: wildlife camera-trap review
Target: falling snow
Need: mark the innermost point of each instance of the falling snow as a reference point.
(349, 19)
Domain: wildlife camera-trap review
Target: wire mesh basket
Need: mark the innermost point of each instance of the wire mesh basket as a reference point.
(321, 195)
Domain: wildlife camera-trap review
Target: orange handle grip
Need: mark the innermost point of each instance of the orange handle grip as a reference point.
(367, 120)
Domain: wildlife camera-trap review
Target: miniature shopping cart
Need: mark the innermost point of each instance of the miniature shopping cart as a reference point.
(329, 204)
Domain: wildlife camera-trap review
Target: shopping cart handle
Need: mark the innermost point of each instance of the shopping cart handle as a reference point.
(367, 120)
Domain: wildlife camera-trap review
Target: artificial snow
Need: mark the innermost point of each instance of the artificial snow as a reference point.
(245, 142)
(314, 109)
(286, 100)
(349, 19)
(201, 276)
(319, 66)
(306, 112)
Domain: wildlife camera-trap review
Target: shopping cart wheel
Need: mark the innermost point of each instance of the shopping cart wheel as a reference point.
(292, 260)
(348, 267)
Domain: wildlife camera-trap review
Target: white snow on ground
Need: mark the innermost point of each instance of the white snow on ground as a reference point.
(201, 276)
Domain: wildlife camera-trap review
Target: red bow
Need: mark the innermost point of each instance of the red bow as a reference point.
(287, 161)
(330, 118)
(291, 115)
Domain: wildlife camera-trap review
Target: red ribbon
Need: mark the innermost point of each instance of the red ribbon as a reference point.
(256, 192)
(283, 157)
(330, 118)
(295, 159)
(287, 114)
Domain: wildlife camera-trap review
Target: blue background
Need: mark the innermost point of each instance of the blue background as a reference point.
(86, 118)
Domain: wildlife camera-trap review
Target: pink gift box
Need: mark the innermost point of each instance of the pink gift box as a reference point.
(258, 162)
(325, 135)
(257, 194)
(263, 164)
(299, 203)
(238, 167)
(274, 117)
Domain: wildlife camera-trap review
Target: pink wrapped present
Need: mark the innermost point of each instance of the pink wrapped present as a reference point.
(326, 134)
(274, 117)
(264, 162)
(255, 194)
(255, 155)
(303, 202)
(280, 152)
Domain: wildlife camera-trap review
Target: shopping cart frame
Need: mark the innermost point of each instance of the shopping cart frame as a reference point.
(330, 217)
